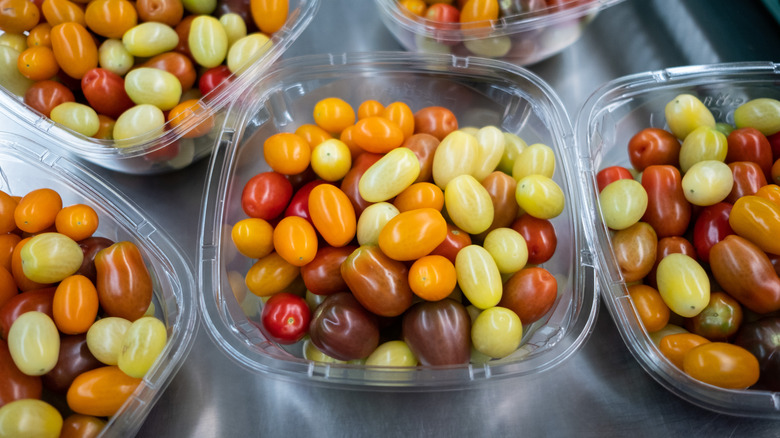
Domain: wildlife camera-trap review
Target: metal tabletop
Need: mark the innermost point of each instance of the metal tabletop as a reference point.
(600, 391)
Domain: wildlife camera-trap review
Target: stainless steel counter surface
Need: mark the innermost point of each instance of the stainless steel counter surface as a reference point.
(600, 391)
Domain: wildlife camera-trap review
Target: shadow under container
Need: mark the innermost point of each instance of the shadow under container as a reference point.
(517, 36)
(26, 166)
(172, 147)
(479, 92)
(606, 122)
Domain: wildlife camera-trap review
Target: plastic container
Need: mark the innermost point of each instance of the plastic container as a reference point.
(607, 120)
(25, 166)
(480, 92)
(157, 152)
(518, 36)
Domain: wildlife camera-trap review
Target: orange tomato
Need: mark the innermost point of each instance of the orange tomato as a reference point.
(400, 114)
(7, 244)
(253, 237)
(271, 274)
(75, 305)
(106, 127)
(81, 426)
(188, 116)
(347, 136)
(722, 364)
(333, 114)
(313, 134)
(416, 7)
(101, 391)
(650, 307)
(269, 15)
(295, 240)
(369, 108)
(770, 192)
(37, 63)
(757, 219)
(287, 153)
(8, 287)
(420, 195)
(675, 346)
(39, 35)
(37, 210)
(476, 13)
(432, 277)
(110, 18)
(18, 15)
(62, 11)
(7, 207)
(77, 221)
(412, 234)
(74, 48)
(332, 214)
(377, 134)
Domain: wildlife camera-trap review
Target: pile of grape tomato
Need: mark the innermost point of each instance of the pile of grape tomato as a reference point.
(77, 320)
(392, 236)
(115, 69)
(694, 224)
(475, 11)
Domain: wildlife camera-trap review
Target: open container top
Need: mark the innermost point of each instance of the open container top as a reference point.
(480, 92)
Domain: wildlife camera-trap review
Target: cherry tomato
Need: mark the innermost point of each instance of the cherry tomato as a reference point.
(611, 174)
(322, 276)
(455, 240)
(331, 159)
(101, 392)
(269, 15)
(720, 320)
(530, 293)
(285, 318)
(377, 134)
(333, 114)
(501, 188)
(39, 300)
(635, 250)
(343, 329)
(74, 48)
(253, 237)
(169, 12)
(37, 210)
(748, 178)
(400, 114)
(539, 235)
(443, 12)
(332, 214)
(622, 203)
(287, 153)
(40, 35)
(295, 240)
(420, 195)
(266, 195)
(424, 146)
(75, 305)
(350, 185)
(675, 346)
(475, 13)
(711, 226)
(81, 426)
(438, 332)
(14, 384)
(8, 288)
(749, 144)
(124, 284)
(190, 117)
(7, 207)
(722, 364)
(666, 246)
(313, 134)
(74, 358)
(214, 78)
(413, 234)
(110, 18)
(30, 418)
(369, 108)
(77, 221)
(62, 11)
(379, 283)
(177, 64)
(760, 338)
(271, 274)
(650, 307)
(37, 63)
(668, 211)
(141, 345)
(18, 16)
(432, 277)
(653, 146)
(758, 220)
(683, 284)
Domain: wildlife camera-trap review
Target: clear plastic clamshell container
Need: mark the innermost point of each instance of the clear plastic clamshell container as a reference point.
(159, 151)
(526, 32)
(480, 92)
(26, 166)
(608, 119)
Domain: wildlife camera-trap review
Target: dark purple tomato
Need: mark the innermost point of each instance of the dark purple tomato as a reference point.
(438, 332)
(74, 359)
(762, 338)
(343, 329)
(90, 247)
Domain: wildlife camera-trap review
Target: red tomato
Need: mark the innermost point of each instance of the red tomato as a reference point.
(668, 212)
(435, 120)
(666, 246)
(105, 92)
(40, 300)
(611, 174)
(749, 144)
(14, 384)
(322, 276)
(443, 12)
(711, 226)
(266, 195)
(530, 293)
(653, 146)
(299, 205)
(176, 64)
(285, 318)
(43, 96)
(214, 77)
(748, 178)
(774, 144)
(539, 236)
(455, 240)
